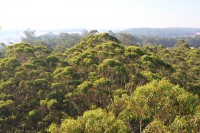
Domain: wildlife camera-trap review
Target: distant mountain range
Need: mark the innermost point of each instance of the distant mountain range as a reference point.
(163, 32)
(8, 36)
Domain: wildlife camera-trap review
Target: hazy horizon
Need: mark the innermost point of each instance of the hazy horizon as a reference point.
(101, 29)
(98, 14)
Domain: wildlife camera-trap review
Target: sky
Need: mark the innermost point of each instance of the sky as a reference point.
(98, 14)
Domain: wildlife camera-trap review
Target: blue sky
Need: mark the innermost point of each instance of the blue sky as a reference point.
(98, 14)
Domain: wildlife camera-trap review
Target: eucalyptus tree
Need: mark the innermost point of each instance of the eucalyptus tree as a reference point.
(96, 120)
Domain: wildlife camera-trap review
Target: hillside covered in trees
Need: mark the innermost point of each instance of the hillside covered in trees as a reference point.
(98, 83)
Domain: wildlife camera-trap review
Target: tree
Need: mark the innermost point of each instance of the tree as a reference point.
(96, 120)
(126, 39)
(2, 49)
(161, 97)
(29, 36)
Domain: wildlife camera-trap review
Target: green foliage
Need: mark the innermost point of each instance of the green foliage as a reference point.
(185, 124)
(6, 103)
(101, 82)
(35, 115)
(158, 98)
(155, 126)
(53, 95)
(41, 83)
(53, 104)
(111, 65)
(85, 86)
(94, 121)
(98, 85)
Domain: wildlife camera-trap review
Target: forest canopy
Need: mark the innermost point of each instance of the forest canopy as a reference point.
(98, 83)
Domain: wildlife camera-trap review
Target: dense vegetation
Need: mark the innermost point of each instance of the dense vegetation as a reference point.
(99, 85)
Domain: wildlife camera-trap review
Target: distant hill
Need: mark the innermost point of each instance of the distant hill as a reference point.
(163, 32)
(14, 36)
